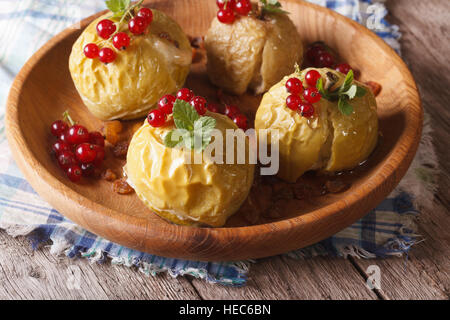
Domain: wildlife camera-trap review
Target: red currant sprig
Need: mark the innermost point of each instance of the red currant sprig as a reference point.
(229, 8)
(76, 148)
(311, 95)
(108, 30)
(321, 57)
(158, 117)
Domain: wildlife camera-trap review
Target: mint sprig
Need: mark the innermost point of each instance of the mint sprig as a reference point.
(272, 6)
(192, 131)
(122, 8)
(346, 92)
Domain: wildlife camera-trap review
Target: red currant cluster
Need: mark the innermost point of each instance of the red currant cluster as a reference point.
(78, 151)
(158, 117)
(320, 57)
(228, 8)
(107, 30)
(310, 95)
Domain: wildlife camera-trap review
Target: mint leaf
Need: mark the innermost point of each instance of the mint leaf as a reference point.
(351, 93)
(346, 92)
(360, 92)
(344, 107)
(202, 129)
(173, 138)
(118, 6)
(347, 82)
(184, 115)
(272, 6)
(192, 131)
(321, 89)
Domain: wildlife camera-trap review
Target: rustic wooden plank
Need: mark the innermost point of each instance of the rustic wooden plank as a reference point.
(425, 26)
(27, 274)
(286, 278)
(425, 274)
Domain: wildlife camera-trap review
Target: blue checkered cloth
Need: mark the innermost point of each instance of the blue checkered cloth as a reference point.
(28, 24)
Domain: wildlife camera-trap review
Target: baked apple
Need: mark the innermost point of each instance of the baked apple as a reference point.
(126, 84)
(179, 189)
(332, 126)
(254, 51)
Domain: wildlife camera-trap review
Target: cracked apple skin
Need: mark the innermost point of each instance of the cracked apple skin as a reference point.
(330, 141)
(131, 85)
(203, 194)
(252, 53)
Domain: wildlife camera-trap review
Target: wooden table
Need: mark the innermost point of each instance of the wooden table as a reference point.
(27, 274)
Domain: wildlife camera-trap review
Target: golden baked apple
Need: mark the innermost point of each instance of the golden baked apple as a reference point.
(337, 131)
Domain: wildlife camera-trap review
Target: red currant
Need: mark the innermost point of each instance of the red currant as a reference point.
(343, 68)
(146, 14)
(121, 41)
(230, 4)
(243, 7)
(156, 118)
(99, 156)
(96, 138)
(86, 153)
(137, 25)
(66, 159)
(185, 94)
(312, 77)
(74, 173)
(199, 103)
(314, 51)
(166, 103)
(87, 169)
(312, 95)
(63, 136)
(241, 121)
(107, 55)
(77, 134)
(213, 107)
(293, 101)
(306, 109)
(324, 60)
(106, 28)
(58, 127)
(226, 16)
(294, 86)
(91, 50)
(231, 111)
(60, 146)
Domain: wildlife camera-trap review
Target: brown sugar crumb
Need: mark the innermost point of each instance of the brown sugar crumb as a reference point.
(250, 210)
(120, 149)
(120, 186)
(109, 175)
(197, 42)
(257, 203)
(282, 190)
(112, 130)
(196, 55)
(277, 210)
(300, 191)
(375, 87)
(336, 186)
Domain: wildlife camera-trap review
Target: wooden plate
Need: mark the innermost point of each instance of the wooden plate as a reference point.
(44, 89)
